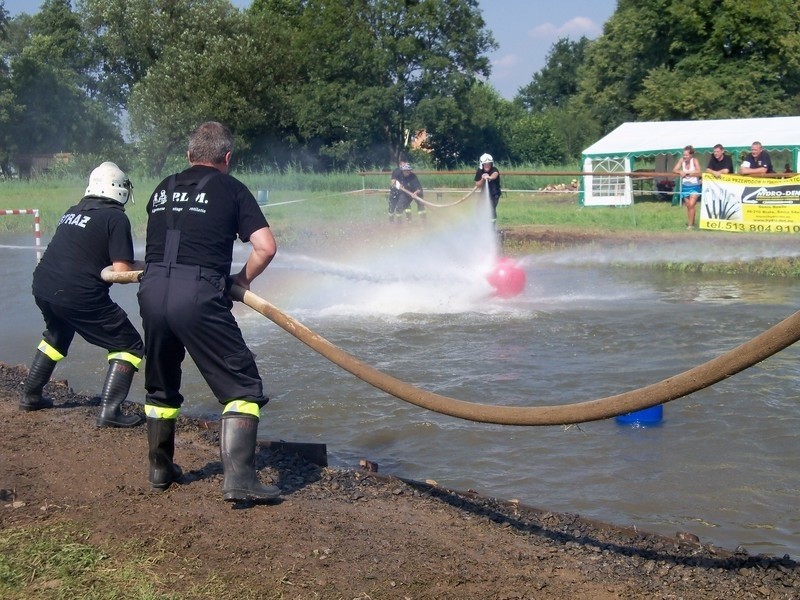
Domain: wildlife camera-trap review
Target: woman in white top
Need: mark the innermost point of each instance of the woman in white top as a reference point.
(689, 169)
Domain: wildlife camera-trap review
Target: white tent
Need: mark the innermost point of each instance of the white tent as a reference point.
(617, 152)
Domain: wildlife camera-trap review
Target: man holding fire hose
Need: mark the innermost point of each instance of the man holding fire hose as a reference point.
(74, 299)
(194, 217)
(403, 186)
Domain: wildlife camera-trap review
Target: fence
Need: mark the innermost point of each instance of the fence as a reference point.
(37, 230)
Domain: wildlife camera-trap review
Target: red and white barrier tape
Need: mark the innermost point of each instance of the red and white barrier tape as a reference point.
(37, 230)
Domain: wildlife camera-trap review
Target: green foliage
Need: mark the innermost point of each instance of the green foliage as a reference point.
(44, 101)
(461, 128)
(333, 85)
(369, 73)
(533, 140)
(666, 59)
(557, 82)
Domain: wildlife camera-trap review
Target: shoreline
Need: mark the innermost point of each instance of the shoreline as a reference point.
(335, 534)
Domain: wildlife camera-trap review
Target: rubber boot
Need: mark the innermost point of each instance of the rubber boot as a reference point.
(161, 441)
(115, 389)
(41, 369)
(237, 447)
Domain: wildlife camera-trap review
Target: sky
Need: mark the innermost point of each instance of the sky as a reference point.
(525, 31)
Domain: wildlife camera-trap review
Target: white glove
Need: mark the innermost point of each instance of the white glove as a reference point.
(397, 184)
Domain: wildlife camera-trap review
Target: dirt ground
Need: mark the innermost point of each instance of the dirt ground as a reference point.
(335, 534)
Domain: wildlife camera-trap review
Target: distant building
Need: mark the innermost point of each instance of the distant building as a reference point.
(30, 165)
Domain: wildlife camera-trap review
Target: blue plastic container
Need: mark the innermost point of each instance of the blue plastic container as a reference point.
(644, 417)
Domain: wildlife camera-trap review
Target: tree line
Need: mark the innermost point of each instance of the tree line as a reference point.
(341, 84)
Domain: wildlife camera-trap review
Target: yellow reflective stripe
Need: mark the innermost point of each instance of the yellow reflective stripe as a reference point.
(244, 407)
(49, 351)
(136, 361)
(159, 412)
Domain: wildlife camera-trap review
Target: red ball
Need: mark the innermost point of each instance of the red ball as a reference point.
(507, 279)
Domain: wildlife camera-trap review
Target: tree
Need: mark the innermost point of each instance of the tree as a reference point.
(224, 68)
(49, 79)
(128, 38)
(364, 67)
(747, 63)
(557, 82)
(7, 111)
(532, 140)
(666, 59)
(462, 128)
(573, 127)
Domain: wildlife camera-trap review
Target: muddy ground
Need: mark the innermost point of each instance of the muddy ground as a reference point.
(335, 534)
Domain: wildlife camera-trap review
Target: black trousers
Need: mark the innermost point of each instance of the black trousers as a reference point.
(186, 308)
(105, 325)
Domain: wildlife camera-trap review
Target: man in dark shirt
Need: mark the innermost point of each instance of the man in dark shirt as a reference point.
(194, 219)
(404, 178)
(757, 162)
(720, 163)
(488, 173)
(74, 299)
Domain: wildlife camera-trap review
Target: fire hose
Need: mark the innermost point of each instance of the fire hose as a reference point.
(426, 203)
(773, 340)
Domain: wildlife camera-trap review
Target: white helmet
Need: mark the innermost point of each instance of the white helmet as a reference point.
(486, 158)
(109, 181)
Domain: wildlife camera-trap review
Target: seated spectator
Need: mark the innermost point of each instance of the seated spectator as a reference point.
(757, 162)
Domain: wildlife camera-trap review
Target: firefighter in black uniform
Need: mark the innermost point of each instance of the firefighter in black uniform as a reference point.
(194, 219)
(400, 201)
(73, 298)
(487, 172)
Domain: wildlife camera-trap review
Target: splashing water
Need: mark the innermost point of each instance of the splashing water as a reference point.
(438, 265)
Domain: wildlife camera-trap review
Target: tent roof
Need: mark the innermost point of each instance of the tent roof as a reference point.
(669, 137)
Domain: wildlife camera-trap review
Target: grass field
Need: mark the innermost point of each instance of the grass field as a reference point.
(340, 196)
(299, 202)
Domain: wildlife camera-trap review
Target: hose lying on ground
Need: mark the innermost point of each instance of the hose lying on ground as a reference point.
(775, 339)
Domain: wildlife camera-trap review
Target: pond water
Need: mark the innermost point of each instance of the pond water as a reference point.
(412, 301)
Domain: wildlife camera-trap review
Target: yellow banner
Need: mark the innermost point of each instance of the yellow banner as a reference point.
(750, 204)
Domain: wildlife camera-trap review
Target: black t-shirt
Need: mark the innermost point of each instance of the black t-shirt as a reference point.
(494, 184)
(763, 160)
(209, 222)
(726, 162)
(410, 182)
(90, 236)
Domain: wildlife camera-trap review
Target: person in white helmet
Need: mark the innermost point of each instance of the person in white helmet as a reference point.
(74, 299)
(488, 174)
